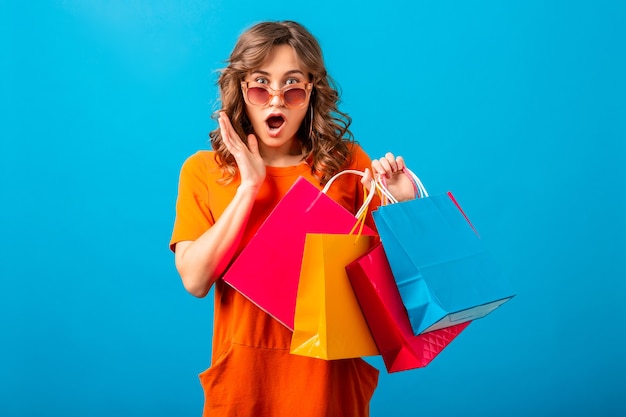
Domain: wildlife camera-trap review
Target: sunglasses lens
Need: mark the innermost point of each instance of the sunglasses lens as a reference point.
(258, 96)
(295, 96)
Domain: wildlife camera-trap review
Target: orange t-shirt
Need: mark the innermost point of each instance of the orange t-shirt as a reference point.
(252, 372)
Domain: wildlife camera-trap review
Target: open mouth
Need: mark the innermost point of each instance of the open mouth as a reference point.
(275, 122)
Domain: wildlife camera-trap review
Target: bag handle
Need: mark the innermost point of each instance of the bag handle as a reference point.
(381, 184)
(369, 196)
(362, 212)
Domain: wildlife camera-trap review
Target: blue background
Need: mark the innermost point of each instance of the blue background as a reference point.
(518, 107)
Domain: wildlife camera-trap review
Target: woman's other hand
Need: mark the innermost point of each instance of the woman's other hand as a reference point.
(390, 168)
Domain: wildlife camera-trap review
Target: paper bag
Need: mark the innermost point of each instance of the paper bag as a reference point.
(377, 293)
(443, 271)
(329, 323)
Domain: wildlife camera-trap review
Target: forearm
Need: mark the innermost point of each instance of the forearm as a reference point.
(204, 260)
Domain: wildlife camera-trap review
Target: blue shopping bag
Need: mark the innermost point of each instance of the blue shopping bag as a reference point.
(444, 273)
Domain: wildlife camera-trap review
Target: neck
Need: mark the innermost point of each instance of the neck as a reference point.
(282, 160)
(280, 157)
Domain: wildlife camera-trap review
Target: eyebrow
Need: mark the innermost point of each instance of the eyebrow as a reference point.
(291, 72)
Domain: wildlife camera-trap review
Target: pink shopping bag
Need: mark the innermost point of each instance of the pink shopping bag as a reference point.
(267, 271)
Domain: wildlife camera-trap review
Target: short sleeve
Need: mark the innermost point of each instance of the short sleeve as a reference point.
(193, 214)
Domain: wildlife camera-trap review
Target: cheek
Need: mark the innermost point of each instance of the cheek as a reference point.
(254, 115)
(297, 116)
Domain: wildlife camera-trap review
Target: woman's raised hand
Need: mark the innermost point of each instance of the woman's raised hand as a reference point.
(249, 161)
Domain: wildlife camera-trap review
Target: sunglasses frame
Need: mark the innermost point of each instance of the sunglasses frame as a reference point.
(307, 87)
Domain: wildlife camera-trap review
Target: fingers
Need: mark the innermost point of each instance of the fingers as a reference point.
(400, 163)
(253, 144)
(230, 137)
(367, 179)
(224, 123)
(388, 165)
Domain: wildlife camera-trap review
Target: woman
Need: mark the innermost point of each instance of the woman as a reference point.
(279, 121)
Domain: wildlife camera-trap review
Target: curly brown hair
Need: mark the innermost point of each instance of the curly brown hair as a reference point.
(324, 133)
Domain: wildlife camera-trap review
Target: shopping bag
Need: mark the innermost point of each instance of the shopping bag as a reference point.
(329, 323)
(444, 273)
(379, 298)
(268, 268)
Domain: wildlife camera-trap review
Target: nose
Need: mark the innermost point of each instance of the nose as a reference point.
(276, 101)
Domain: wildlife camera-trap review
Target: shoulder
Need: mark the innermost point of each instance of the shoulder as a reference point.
(200, 158)
(203, 162)
(359, 159)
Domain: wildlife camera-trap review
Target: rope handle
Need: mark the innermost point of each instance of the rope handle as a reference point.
(388, 198)
(362, 212)
(369, 196)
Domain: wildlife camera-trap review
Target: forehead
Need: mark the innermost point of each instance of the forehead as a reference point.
(281, 59)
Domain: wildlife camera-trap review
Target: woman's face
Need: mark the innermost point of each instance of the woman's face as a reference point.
(275, 123)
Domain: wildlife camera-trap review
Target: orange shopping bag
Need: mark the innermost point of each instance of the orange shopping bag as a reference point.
(329, 323)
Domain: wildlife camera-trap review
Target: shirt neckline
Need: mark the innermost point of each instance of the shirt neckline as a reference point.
(287, 171)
